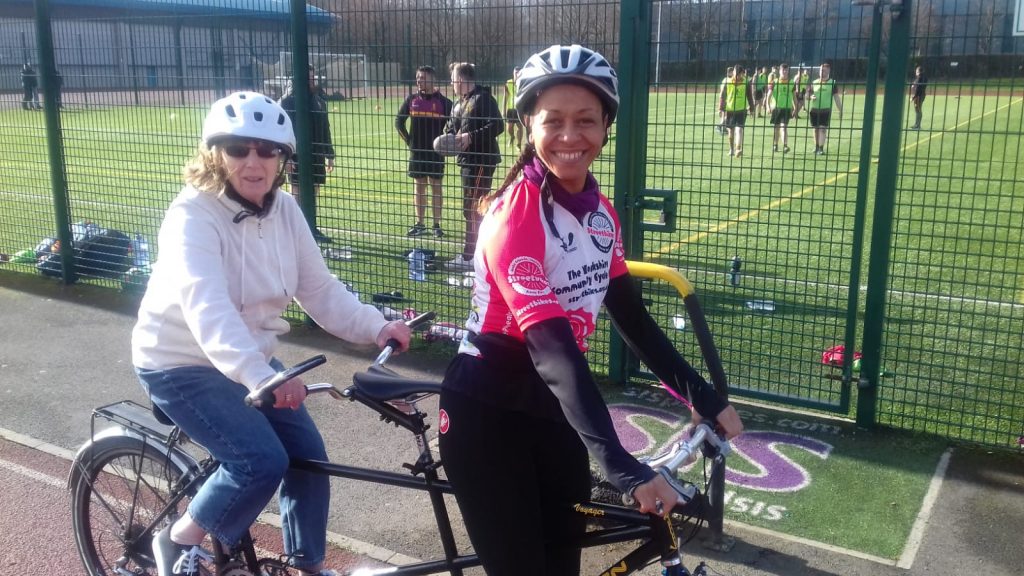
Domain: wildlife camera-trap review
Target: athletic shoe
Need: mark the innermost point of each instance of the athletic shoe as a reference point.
(739, 152)
(437, 231)
(173, 559)
(775, 147)
(732, 152)
(417, 230)
(460, 262)
(785, 149)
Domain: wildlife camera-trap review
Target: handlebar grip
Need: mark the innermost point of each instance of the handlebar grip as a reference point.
(264, 393)
(419, 321)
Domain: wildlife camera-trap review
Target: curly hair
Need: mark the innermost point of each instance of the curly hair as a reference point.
(207, 172)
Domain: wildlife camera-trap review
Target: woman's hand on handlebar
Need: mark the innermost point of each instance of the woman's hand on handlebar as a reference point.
(291, 394)
(395, 330)
(728, 420)
(656, 496)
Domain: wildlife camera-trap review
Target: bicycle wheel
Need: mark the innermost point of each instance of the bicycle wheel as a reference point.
(118, 487)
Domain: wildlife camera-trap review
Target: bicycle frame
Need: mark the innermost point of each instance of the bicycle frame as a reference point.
(659, 536)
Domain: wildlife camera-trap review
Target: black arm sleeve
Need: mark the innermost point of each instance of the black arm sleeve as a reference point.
(400, 121)
(647, 340)
(564, 369)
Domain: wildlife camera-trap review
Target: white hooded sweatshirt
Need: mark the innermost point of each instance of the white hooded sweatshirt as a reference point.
(222, 280)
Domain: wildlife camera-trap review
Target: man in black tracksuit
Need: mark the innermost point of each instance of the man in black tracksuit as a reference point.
(426, 112)
(477, 122)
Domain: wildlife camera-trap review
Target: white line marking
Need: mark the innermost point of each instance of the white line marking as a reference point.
(811, 543)
(32, 474)
(357, 546)
(921, 523)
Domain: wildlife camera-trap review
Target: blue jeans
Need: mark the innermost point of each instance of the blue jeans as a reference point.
(253, 447)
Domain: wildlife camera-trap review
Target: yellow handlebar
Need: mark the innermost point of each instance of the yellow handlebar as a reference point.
(657, 271)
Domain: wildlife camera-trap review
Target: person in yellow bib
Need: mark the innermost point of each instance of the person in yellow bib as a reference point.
(780, 100)
(773, 77)
(822, 93)
(514, 126)
(735, 100)
(720, 127)
(760, 90)
(800, 81)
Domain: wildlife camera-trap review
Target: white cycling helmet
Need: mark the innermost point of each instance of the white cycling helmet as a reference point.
(573, 64)
(249, 115)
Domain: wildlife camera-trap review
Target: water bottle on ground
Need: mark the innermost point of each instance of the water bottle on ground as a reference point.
(140, 252)
(734, 271)
(417, 265)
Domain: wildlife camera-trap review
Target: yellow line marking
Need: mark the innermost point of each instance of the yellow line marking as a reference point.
(698, 236)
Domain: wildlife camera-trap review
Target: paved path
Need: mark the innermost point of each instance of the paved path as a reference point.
(64, 350)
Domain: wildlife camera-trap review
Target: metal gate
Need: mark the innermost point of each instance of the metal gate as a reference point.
(902, 245)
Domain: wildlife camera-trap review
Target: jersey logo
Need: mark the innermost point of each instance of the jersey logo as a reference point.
(526, 275)
(601, 231)
(582, 323)
(566, 243)
(443, 422)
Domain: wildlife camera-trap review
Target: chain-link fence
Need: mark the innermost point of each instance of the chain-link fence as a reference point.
(893, 234)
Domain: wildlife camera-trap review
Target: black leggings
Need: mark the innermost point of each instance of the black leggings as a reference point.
(515, 478)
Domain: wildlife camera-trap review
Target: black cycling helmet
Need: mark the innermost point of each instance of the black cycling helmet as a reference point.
(567, 64)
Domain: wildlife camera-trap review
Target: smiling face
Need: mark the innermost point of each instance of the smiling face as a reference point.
(568, 126)
(252, 175)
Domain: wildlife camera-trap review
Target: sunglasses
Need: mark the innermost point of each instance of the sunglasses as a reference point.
(263, 150)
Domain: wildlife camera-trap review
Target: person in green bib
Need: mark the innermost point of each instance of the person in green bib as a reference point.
(514, 126)
(760, 88)
(822, 93)
(800, 81)
(735, 100)
(780, 100)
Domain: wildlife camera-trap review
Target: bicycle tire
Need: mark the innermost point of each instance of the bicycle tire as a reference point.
(118, 485)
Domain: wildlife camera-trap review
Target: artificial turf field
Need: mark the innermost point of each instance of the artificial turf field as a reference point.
(955, 315)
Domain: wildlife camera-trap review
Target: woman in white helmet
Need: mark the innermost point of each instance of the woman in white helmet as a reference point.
(519, 397)
(234, 251)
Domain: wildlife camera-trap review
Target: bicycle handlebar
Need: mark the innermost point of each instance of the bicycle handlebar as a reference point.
(391, 344)
(265, 392)
(668, 464)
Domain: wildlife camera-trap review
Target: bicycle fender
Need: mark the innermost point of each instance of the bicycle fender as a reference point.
(180, 459)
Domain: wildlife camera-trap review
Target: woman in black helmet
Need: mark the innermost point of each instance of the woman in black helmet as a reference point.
(519, 397)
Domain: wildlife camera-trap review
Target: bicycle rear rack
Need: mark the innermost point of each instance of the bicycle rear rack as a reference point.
(135, 417)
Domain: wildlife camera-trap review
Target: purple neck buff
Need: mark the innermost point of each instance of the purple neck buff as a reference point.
(579, 204)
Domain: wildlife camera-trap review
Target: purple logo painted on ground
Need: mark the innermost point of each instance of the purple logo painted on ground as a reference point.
(635, 439)
(775, 472)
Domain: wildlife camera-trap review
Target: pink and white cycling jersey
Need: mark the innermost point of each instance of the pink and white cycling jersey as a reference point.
(527, 273)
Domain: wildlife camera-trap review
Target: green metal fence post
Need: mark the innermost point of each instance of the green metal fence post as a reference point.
(885, 203)
(630, 146)
(863, 176)
(54, 140)
(303, 129)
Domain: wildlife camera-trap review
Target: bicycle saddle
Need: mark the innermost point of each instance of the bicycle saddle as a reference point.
(160, 416)
(382, 384)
